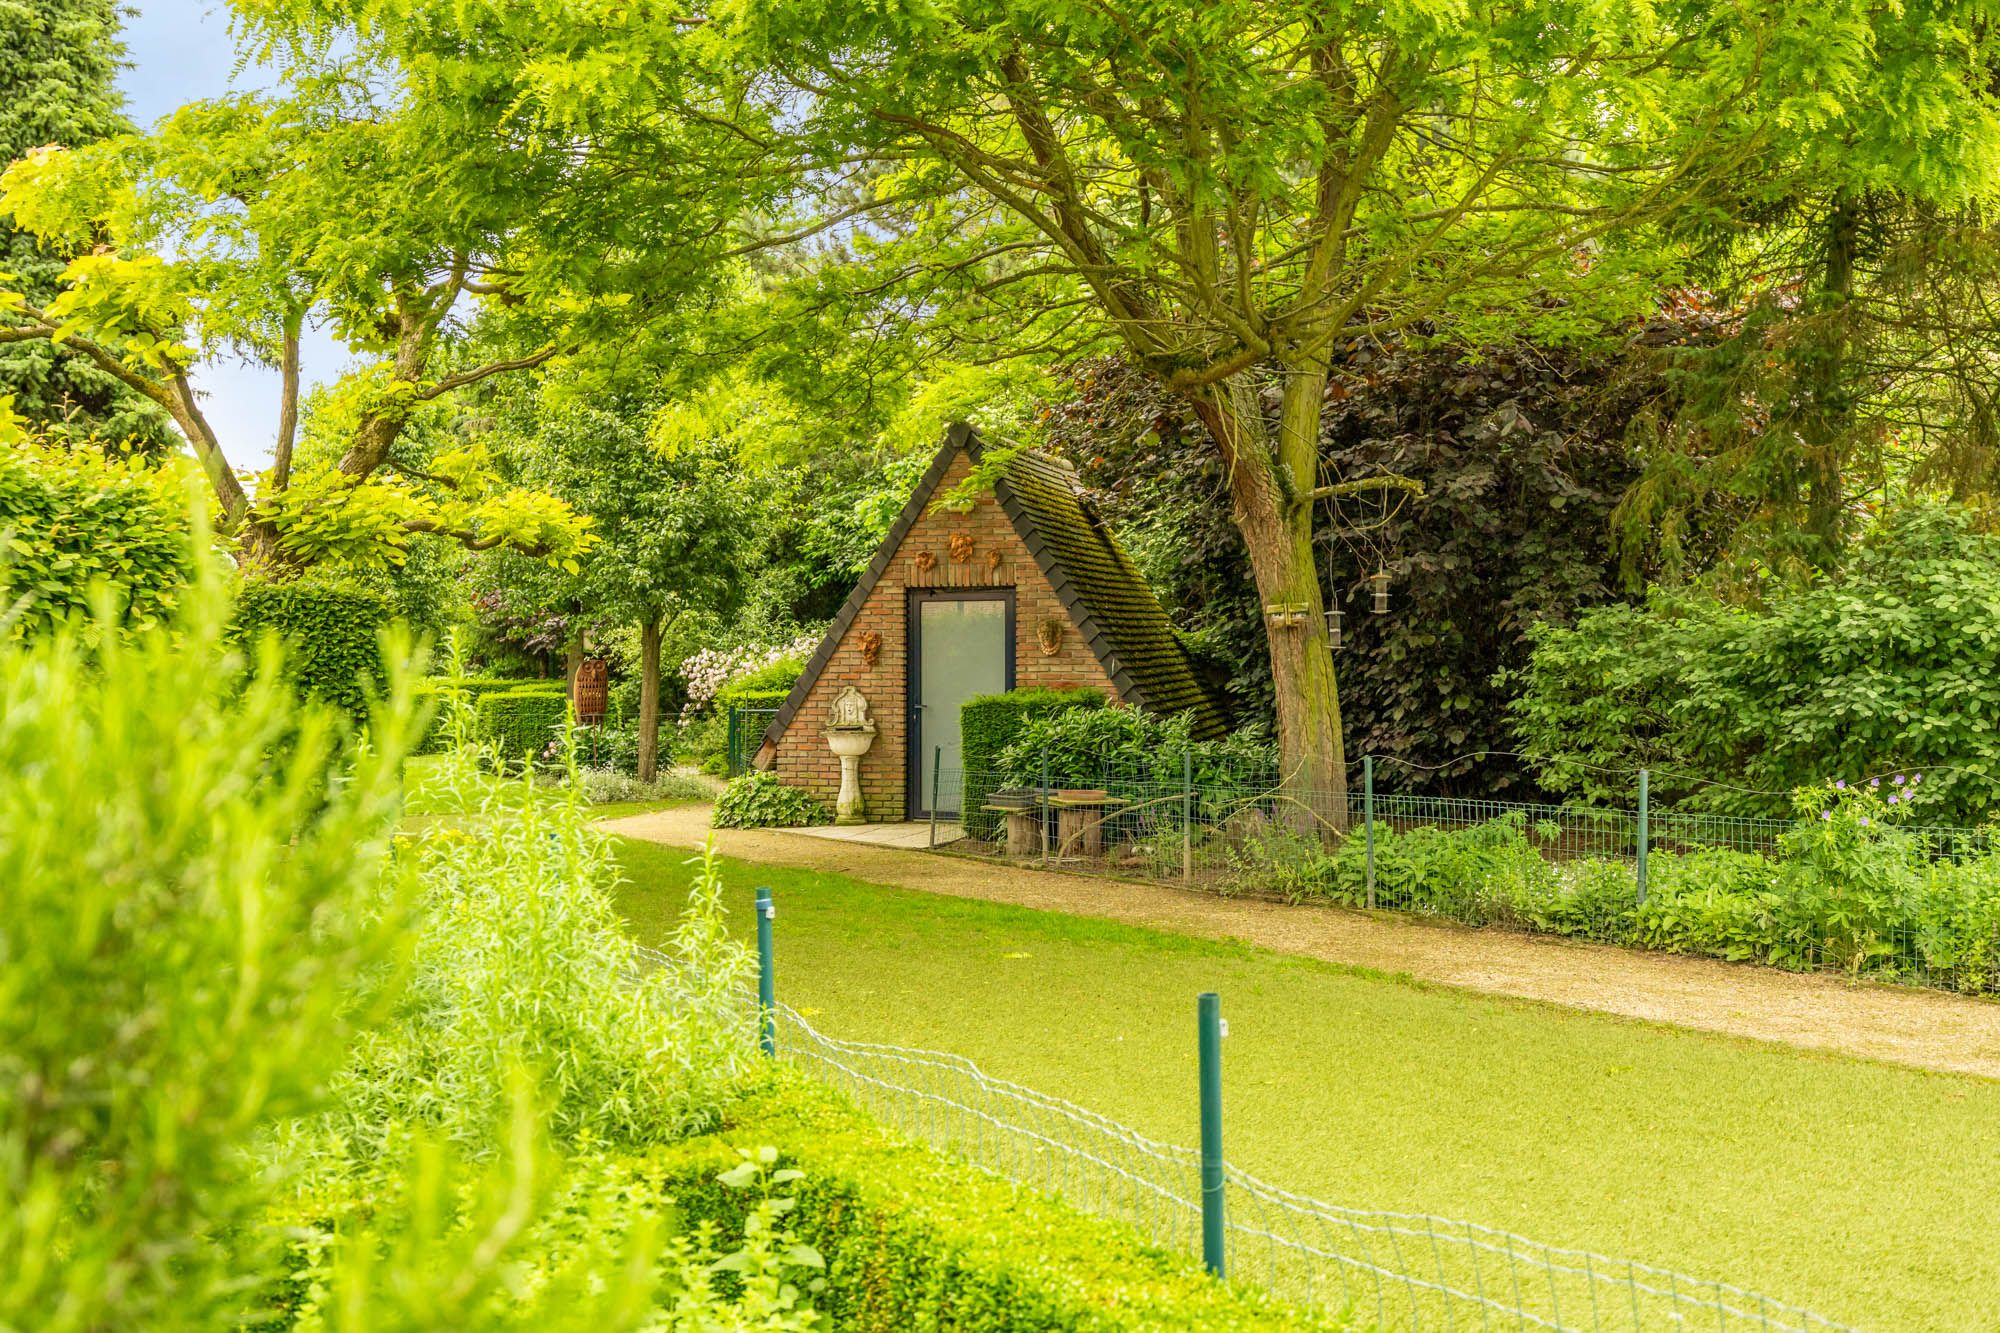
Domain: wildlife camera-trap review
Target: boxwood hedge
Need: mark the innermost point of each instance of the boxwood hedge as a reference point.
(520, 722)
(914, 1241)
(437, 693)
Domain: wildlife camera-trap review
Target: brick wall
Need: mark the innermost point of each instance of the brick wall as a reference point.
(979, 549)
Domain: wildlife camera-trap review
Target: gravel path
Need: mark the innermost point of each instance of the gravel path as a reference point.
(1928, 1029)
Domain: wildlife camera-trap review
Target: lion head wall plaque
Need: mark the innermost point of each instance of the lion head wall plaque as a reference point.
(961, 545)
(1049, 634)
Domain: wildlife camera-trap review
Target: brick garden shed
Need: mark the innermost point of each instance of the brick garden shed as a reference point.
(1027, 587)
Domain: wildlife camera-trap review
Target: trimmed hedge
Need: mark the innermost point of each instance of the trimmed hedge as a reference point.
(520, 722)
(914, 1241)
(988, 724)
(474, 688)
(332, 636)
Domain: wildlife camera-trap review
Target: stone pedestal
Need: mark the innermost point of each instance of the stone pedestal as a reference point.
(849, 746)
(852, 732)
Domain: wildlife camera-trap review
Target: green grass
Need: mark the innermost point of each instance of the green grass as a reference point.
(1868, 1192)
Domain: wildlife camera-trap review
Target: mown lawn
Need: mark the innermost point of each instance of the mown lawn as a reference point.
(1868, 1192)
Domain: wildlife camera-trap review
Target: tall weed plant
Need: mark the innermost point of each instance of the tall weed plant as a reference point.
(521, 962)
(263, 1068)
(197, 923)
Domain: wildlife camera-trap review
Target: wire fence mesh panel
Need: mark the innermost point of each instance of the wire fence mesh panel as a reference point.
(1921, 907)
(1386, 1270)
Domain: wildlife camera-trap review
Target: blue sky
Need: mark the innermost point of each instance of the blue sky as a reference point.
(180, 51)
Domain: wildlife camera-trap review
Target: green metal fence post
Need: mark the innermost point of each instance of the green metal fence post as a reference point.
(1368, 821)
(1187, 814)
(767, 984)
(1047, 809)
(937, 758)
(1208, 1023)
(1644, 836)
(734, 744)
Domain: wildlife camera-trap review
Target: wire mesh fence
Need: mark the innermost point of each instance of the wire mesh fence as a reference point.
(1380, 1269)
(1912, 904)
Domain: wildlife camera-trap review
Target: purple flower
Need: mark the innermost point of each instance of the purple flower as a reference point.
(1874, 782)
(1893, 798)
(1826, 815)
(1899, 779)
(1864, 821)
(1840, 785)
(1915, 778)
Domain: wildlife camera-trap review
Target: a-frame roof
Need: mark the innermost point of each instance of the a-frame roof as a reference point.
(1115, 611)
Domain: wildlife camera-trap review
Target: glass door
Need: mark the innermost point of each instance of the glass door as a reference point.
(961, 645)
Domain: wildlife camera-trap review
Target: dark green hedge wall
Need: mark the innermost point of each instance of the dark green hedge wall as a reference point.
(988, 724)
(912, 1241)
(520, 722)
(332, 636)
(434, 693)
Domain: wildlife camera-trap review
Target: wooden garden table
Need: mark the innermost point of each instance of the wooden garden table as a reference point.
(1080, 820)
(1024, 828)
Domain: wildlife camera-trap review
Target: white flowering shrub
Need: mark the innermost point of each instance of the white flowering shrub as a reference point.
(712, 669)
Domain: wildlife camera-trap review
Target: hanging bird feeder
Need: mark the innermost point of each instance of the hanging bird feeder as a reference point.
(1333, 627)
(1379, 580)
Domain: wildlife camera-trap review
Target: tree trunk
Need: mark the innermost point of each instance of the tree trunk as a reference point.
(1829, 415)
(649, 697)
(572, 663)
(1271, 482)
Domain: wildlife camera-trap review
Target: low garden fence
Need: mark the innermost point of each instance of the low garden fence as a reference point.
(1917, 904)
(746, 733)
(1382, 1269)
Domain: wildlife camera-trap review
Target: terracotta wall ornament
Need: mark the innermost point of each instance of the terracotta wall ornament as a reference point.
(926, 561)
(961, 546)
(871, 648)
(995, 559)
(1049, 633)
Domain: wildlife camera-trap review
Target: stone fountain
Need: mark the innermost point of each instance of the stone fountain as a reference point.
(849, 735)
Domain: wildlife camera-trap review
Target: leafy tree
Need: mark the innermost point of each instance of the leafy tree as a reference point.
(402, 177)
(1237, 192)
(1522, 454)
(671, 526)
(58, 63)
(1852, 261)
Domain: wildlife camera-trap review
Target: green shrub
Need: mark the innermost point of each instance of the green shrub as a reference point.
(521, 723)
(774, 679)
(988, 724)
(1087, 746)
(913, 1241)
(192, 862)
(1887, 664)
(438, 693)
(759, 800)
(332, 636)
(70, 518)
(1847, 888)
